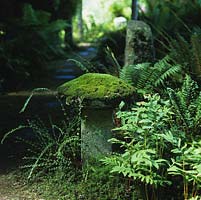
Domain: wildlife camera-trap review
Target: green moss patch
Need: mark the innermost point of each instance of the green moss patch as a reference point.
(96, 86)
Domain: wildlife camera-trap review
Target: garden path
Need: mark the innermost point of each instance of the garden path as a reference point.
(11, 187)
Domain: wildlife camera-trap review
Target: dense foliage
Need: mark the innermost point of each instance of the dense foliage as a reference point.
(28, 46)
(158, 147)
(156, 138)
(30, 38)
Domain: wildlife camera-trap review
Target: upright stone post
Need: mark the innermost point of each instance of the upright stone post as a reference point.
(96, 126)
(139, 43)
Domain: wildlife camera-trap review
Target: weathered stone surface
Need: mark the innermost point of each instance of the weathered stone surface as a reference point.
(96, 128)
(139, 43)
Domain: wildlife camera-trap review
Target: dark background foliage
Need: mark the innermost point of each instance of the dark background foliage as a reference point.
(29, 38)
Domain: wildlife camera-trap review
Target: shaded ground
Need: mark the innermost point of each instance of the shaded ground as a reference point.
(13, 189)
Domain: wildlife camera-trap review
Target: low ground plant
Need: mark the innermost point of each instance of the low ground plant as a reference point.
(52, 147)
(156, 154)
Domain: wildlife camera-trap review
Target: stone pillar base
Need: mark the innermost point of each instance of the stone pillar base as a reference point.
(96, 128)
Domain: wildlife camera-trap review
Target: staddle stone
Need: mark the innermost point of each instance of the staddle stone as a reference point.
(101, 94)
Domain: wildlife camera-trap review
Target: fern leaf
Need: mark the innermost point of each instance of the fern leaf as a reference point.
(12, 131)
(189, 90)
(80, 65)
(116, 68)
(38, 159)
(135, 74)
(178, 106)
(34, 91)
(147, 77)
(165, 71)
(34, 17)
(55, 26)
(187, 105)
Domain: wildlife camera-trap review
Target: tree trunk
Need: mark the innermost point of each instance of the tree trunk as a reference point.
(134, 7)
(80, 21)
(69, 33)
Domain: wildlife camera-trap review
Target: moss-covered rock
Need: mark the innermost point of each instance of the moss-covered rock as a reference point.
(94, 86)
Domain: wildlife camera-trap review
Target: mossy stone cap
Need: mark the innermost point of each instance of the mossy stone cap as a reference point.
(94, 86)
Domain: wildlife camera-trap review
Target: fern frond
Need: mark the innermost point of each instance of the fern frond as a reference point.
(34, 17)
(148, 77)
(38, 159)
(187, 105)
(197, 114)
(55, 26)
(135, 74)
(167, 73)
(189, 90)
(80, 65)
(126, 74)
(34, 91)
(12, 131)
(164, 70)
(116, 68)
(179, 106)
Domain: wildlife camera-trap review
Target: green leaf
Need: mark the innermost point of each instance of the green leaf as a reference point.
(121, 105)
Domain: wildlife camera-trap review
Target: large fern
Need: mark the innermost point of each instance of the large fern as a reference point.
(145, 76)
(187, 53)
(187, 106)
(164, 70)
(131, 74)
